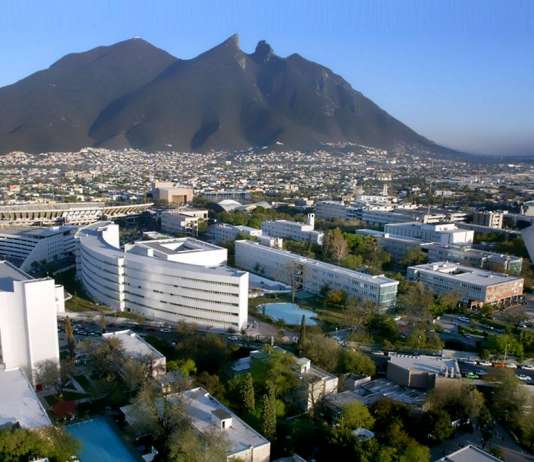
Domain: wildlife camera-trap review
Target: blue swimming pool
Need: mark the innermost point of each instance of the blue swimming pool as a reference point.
(100, 442)
(290, 313)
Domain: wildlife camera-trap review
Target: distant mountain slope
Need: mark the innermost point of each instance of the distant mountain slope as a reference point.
(54, 108)
(133, 94)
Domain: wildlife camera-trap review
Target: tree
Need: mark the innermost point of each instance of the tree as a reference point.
(459, 399)
(71, 340)
(355, 362)
(335, 246)
(415, 452)
(49, 374)
(438, 424)
(186, 367)
(356, 415)
(268, 423)
(302, 335)
(247, 393)
(275, 368)
(414, 256)
(17, 444)
(322, 351)
(336, 297)
(509, 399)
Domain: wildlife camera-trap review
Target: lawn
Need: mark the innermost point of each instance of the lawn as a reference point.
(79, 304)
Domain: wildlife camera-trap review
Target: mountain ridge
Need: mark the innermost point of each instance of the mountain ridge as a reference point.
(133, 94)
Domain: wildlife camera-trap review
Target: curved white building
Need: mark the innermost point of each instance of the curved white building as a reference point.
(177, 279)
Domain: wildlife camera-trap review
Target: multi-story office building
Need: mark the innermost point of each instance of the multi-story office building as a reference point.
(223, 232)
(313, 275)
(443, 233)
(182, 221)
(475, 286)
(28, 319)
(490, 219)
(294, 230)
(177, 279)
(491, 261)
(167, 193)
(28, 247)
(331, 210)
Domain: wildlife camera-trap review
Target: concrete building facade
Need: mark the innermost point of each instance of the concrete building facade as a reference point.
(312, 275)
(28, 319)
(475, 287)
(294, 230)
(176, 279)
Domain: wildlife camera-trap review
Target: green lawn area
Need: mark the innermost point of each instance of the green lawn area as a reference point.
(79, 304)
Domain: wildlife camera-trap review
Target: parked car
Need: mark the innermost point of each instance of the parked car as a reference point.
(524, 378)
(527, 367)
(485, 363)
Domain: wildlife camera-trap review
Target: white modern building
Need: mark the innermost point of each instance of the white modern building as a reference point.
(223, 232)
(474, 286)
(176, 279)
(294, 230)
(443, 233)
(27, 247)
(313, 275)
(28, 319)
(182, 221)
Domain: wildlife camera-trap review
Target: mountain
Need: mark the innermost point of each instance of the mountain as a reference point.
(132, 94)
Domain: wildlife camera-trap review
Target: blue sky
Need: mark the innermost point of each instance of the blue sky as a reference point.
(460, 72)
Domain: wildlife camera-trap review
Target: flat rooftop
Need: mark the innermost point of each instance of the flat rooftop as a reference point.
(35, 232)
(469, 453)
(176, 245)
(134, 345)
(10, 273)
(468, 274)
(19, 403)
(370, 392)
(200, 406)
(380, 279)
(425, 363)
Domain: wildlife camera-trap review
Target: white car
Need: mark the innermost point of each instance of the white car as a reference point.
(524, 378)
(470, 361)
(485, 363)
(511, 365)
(527, 367)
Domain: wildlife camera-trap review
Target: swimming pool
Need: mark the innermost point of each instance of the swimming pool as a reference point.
(100, 442)
(290, 313)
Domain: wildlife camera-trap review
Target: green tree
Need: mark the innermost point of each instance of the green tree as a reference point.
(415, 453)
(336, 297)
(247, 393)
(356, 415)
(277, 368)
(414, 256)
(356, 362)
(268, 423)
(438, 424)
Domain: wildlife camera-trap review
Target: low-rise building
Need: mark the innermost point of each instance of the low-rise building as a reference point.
(294, 230)
(442, 233)
(19, 405)
(313, 275)
(469, 453)
(223, 232)
(28, 320)
(475, 286)
(421, 371)
(487, 218)
(208, 415)
(314, 382)
(371, 391)
(182, 221)
(477, 258)
(167, 193)
(135, 347)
